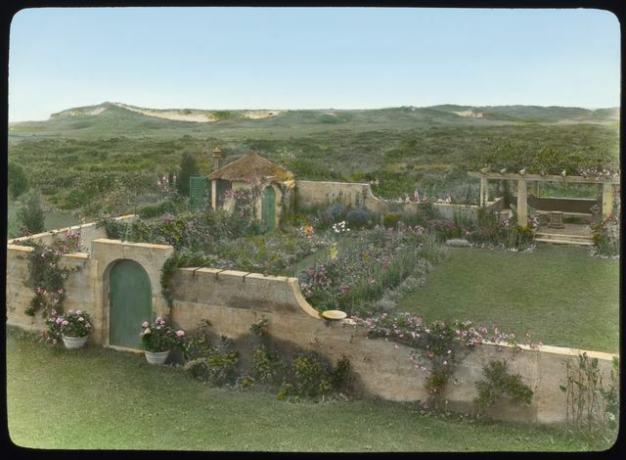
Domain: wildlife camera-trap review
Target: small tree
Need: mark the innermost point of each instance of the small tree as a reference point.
(18, 183)
(31, 215)
(188, 168)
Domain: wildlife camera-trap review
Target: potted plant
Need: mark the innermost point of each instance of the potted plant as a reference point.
(73, 328)
(158, 339)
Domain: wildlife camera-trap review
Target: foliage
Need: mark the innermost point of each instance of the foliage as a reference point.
(268, 366)
(359, 218)
(311, 376)
(156, 210)
(73, 324)
(499, 384)
(188, 167)
(374, 261)
(18, 182)
(606, 237)
(31, 215)
(47, 277)
(592, 410)
(442, 344)
(216, 365)
(159, 336)
(390, 220)
(260, 328)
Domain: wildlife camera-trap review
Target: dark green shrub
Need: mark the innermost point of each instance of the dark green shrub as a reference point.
(217, 365)
(18, 183)
(311, 375)
(155, 210)
(359, 218)
(333, 214)
(391, 220)
(31, 215)
(499, 384)
(267, 366)
(188, 168)
(342, 377)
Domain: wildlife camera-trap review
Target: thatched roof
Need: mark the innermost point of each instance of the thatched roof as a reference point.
(252, 166)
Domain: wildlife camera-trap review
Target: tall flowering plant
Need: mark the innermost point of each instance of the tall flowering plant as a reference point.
(158, 336)
(75, 323)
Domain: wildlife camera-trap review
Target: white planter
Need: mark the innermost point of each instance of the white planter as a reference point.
(156, 357)
(73, 342)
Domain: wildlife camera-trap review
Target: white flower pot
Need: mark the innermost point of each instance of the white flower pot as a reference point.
(73, 342)
(156, 357)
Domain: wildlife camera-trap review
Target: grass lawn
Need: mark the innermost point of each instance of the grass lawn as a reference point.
(561, 295)
(101, 399)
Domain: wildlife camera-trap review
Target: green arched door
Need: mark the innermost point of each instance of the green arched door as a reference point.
(130, 303)
(268, 208)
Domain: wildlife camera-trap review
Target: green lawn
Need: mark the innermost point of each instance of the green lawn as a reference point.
(101, 399)
(562, 295)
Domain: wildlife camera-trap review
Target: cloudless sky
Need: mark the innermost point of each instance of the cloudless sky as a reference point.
(280, 58)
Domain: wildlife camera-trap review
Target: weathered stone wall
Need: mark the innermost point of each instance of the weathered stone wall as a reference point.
(88, 233)
(321, 194)
(79, 293)
(233, 301)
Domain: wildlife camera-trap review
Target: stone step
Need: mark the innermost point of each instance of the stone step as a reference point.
(563, 236)
(577, 242)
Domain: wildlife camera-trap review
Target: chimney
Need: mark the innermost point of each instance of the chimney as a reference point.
(217, 158)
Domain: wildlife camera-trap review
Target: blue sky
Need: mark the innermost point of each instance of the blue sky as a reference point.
(280, 58)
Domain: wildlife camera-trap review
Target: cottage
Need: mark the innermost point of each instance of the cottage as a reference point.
(253, 181)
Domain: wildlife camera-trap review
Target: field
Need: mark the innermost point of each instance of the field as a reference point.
(102, 399)
(561, 295)
(85, 162)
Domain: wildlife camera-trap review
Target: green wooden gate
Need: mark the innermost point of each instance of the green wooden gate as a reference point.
(199, 193)
(268, 208)
(130, 303)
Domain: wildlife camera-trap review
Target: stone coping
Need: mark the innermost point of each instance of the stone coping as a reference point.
(28, 249)
(130, 243)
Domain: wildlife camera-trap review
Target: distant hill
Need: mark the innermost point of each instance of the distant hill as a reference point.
(114, 119)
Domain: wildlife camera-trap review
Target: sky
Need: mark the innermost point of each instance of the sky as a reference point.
(307, 58)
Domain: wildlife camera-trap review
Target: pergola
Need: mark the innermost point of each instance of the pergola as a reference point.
(609, 188)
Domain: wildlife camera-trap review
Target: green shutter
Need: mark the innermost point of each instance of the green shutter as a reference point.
(199, 193)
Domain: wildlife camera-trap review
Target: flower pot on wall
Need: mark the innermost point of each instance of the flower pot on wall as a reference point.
(157, 357)
(74, 342)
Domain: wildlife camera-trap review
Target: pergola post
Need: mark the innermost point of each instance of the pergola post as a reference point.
(607, 200)
(214, 194)
(483, 191)
(522, 205)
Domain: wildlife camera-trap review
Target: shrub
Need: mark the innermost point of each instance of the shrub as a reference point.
(333, 214)
(267, 366)
(342, 377)
(155, 210)
(214, 364)
(359, 218)
(311, 376)
(499, 384)
(18, 183)
(391, 220)
(73, 324)
(188, 168)
(159, 336)
(31, 215)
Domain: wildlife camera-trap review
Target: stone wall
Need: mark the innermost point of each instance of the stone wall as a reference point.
(320, 194)
(233, 301)
(88, 233)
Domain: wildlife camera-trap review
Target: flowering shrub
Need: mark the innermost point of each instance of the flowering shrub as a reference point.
(47, 277)
(442, 343)
(159, 336)
(73, 324)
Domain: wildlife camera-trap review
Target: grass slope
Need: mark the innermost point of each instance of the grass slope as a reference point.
(560, 294)
(101, 399)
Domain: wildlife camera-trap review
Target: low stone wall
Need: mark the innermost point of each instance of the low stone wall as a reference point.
(78, 287)
(88, 233)
(233, 301)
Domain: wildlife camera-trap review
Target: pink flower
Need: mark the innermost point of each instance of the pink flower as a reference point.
(65, 323)
(180, 333)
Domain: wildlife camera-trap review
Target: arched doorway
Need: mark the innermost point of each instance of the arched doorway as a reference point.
(130, 303)
(268, 208)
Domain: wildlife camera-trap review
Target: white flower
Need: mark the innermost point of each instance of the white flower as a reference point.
(145, 324)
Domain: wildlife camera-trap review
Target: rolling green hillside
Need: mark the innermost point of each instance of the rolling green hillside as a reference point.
(81, 157)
